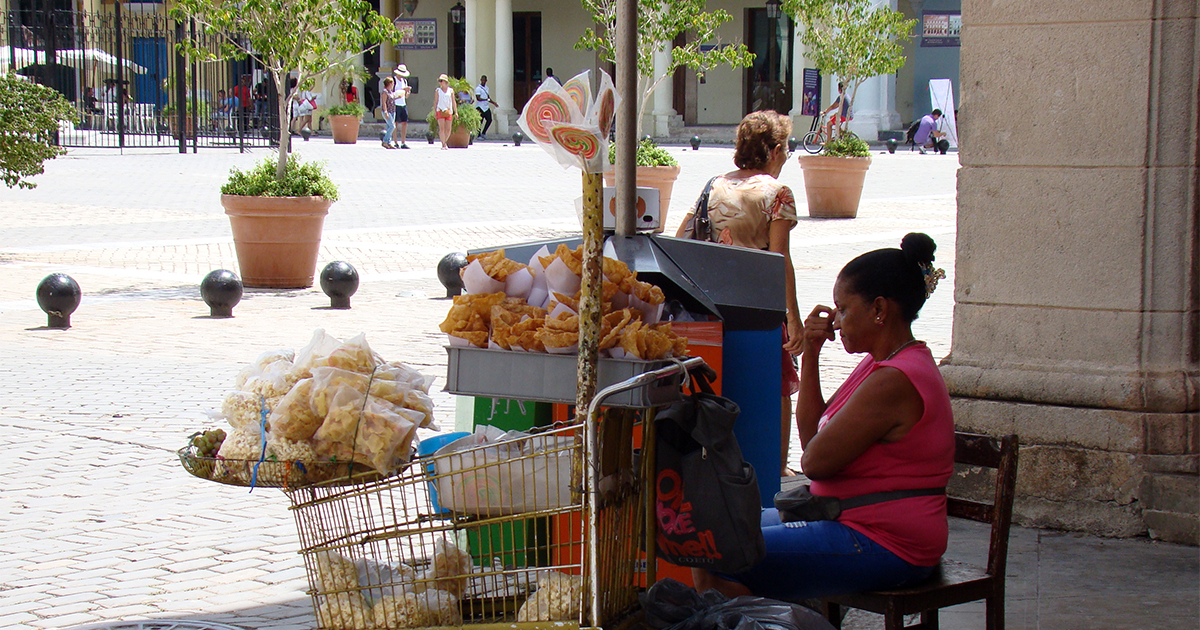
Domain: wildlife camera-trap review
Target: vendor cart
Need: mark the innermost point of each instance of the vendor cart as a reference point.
(548, 527)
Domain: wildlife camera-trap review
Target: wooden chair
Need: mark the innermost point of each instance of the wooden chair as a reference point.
(955, 582)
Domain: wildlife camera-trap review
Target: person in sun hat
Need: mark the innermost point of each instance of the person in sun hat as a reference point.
(400, 94)
(445, 109)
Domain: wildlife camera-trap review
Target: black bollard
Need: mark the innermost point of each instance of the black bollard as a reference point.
(306, 133)
(891, 145)
(792, 144)
(449, 271)
(221, 290)
(517, 138)
(339, 280)
(58, 294)
(695, 143)
(429, 136)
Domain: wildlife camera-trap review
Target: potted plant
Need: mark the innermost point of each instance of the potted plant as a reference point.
(30, 133)
(467, 121)
(276, 222)
(854, 41)
(304, 40)
(344, 120)
(655, 169)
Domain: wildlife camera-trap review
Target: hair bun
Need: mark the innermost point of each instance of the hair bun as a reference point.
(918, 247)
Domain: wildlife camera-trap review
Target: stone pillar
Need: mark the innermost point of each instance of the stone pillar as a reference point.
(873, 107)
(664, 95)
(472, 45)
(800, 122)
(1077, 281)
(505, 116)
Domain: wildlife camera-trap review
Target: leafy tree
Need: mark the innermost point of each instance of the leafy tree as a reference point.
(29, 117)
(312, 38)
(851, 39)
(659, 23)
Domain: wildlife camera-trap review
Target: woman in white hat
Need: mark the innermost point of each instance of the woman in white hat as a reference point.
(446, 109)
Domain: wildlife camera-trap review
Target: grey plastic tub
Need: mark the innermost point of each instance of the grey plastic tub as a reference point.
(546, 377)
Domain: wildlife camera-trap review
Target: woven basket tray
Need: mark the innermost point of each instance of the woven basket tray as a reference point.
(273, 474)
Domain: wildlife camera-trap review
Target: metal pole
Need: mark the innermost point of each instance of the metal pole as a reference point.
(590, 290)
(180, 88)
(627, 78)
(120, 77)
(195, 98)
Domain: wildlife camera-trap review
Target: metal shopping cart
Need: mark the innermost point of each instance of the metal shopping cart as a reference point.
(547, 529)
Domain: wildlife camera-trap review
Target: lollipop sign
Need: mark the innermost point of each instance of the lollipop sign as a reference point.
(554, 118)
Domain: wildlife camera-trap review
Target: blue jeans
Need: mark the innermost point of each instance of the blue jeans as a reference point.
(389, 121)
(820, 558)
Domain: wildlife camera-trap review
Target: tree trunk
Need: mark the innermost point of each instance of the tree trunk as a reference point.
(590, 293)
(285, 100)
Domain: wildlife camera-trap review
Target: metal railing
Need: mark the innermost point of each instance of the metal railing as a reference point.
(120, 69)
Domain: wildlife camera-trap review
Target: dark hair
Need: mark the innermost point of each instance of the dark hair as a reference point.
(892, 273)
(757, 135)
(937, 112)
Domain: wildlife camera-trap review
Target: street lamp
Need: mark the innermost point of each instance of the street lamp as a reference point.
(457, 12)
(409, 7)
(773, 9)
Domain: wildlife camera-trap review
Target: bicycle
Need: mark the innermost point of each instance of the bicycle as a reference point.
(816, 137)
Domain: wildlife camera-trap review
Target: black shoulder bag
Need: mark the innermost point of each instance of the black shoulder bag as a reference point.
(706, 500)
(699, 227)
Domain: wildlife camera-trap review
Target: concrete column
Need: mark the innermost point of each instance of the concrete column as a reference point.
(798, 64)
(472, 36)
(664, 95)
(1077, 280)
(505, 115)
(874, 107)
(388, 55)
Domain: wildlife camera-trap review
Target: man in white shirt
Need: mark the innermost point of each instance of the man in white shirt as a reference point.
(401, 93)
(483, 102)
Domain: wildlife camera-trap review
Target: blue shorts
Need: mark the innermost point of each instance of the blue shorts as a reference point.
(821, 558)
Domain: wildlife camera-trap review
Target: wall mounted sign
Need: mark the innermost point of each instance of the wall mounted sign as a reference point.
(810, 104)
(416, 34)
(940, 28)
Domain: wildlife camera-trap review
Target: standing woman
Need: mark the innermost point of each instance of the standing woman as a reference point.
(750, 208)
(447, 108)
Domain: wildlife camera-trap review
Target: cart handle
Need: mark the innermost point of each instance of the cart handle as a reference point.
(644, 378)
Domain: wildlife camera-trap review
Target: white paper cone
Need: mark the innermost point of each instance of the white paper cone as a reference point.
(651, 313)
(538, 296)
(459, 342)
(519, 284)
(560, 279)
(559, 307)
(476, 280)
(571, 349)
(617, 352)
(535, 261)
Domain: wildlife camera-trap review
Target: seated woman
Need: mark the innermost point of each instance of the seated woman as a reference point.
(888, 427)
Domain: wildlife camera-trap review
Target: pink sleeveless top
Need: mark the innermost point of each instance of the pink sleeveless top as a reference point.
(914, 528)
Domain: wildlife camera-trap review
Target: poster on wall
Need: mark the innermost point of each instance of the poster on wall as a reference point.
(416, 34)
(811, 95)
(940, 28)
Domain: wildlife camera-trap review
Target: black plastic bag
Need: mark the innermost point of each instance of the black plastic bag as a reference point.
(672, 605)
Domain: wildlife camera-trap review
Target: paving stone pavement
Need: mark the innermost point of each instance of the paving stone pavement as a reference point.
(102, 524)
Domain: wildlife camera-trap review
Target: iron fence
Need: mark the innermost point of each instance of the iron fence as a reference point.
(120, 69)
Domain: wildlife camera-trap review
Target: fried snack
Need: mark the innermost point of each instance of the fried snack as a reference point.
(479, 339)
(524, 334)
(613, 324)
(679, 345)
(616, 271)
(646, 292)
(567, 301)
(471, 313)
(496, 265)
(560, 332)
(573, 259)
(643, 342)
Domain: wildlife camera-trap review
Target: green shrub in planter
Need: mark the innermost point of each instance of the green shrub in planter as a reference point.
(300, 179)
(847, 145)
(648, 154)
(347, 109)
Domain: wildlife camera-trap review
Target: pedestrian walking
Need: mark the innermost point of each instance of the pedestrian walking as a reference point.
(388, 96)
(483, 102)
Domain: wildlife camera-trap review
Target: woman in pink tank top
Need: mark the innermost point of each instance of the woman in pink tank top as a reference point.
(887, 428)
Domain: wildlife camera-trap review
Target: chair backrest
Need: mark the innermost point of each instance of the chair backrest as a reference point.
(999, 454)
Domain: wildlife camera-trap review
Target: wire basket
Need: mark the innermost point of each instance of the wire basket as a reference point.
(273, 474)
(392, 553)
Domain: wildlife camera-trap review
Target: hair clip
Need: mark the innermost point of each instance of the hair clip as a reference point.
(931, 277)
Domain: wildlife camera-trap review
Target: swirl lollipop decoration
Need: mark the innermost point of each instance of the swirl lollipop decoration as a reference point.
(608, 107)
(576, 141)
(545, 106)
(579, 91)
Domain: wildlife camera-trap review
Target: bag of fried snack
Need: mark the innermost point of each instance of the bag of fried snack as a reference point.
(293, 418)
(369, 431)
(468, 321)
(327, 380)
(560, 335)
(317, 348)
(353, 355)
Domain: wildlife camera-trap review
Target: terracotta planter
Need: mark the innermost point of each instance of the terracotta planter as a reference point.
(833, 185)
(660, 177)
(345, 129)
(459, 139)
(277, 238)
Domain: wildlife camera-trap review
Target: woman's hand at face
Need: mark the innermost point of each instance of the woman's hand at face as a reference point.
(818, 328)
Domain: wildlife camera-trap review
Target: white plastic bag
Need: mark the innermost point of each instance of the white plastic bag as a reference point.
(493, 473)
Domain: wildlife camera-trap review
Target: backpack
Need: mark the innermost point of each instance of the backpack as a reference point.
(911, 138)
